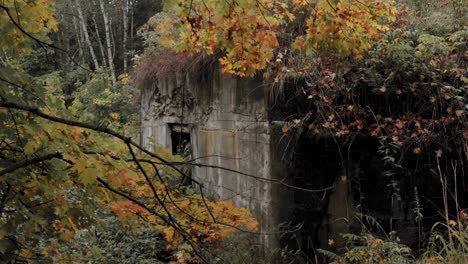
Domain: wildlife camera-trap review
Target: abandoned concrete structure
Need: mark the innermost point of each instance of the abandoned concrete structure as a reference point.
(228, 122)
(225, 120)
(232, 126)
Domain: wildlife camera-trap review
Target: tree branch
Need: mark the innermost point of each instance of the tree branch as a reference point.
(28, 162)
(42, 43)
(186, 236)
(4, 198)
(105, 130)
(129, 141)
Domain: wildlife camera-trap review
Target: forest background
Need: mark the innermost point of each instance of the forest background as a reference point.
(76, 186)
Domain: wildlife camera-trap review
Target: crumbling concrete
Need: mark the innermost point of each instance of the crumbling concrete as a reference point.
(227, 120)
(230, 126)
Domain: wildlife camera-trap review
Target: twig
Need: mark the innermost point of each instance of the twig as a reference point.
(28, 162)
(40, 42)
(128, 140)
(4, 198)
(154, 212)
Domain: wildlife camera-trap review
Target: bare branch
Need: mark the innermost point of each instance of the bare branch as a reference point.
(28, 162)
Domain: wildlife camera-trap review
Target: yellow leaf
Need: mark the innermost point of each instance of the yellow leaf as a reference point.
(115, 116)
(31, 147)
(252, 225)
(72, 224)
(87, 176)
(67, 235)
(184, 203)
(168, 234)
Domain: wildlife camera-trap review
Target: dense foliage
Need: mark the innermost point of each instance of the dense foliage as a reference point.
(249, 32)
(70, 174)
(391, 71)
(75, 187)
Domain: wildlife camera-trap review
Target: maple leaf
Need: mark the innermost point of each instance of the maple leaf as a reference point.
(168, 234)
(66, 235)
(87, 176)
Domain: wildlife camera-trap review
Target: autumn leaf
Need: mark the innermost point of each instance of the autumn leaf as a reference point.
(399, 124)
(31, 146)
(285, 128)
(168, 234)
(66, 235)
(87, 176)
(115, 116)
(184, 203)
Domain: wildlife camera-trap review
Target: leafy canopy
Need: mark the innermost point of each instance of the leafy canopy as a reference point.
(249, 32)
(34, 17)
(62, 170)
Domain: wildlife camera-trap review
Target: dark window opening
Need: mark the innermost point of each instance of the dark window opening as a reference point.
(182, 146)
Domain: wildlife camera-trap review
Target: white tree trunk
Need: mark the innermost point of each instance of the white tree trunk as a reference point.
(108, 42)
(101, 47)
(86, 35)
(78, 37)
(131, 23)
(112, 34)
(125, 31)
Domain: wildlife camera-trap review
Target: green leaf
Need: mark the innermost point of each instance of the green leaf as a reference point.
(88, 176)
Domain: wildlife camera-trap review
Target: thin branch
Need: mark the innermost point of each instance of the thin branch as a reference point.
(206, 205)
(105, 130)
(28, 162)
(154, 212)
(128, 140)
(153, 189)
(4, 198)
(40, 42)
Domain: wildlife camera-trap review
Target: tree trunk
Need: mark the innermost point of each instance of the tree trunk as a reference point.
(131, 23)
(78, 38)
(101, 47)
(86, 35)
(108, 42)
(125, 30)
(112, 34)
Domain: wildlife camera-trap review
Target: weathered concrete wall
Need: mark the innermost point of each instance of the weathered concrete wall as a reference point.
(227, 120)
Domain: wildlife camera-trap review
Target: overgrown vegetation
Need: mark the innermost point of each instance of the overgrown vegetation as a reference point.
(406, 88)
(75, 186)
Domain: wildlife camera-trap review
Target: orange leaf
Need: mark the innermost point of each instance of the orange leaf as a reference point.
(168, 234)
(67, 235)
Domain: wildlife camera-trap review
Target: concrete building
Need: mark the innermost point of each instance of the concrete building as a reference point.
(225, 119)
(236, 129)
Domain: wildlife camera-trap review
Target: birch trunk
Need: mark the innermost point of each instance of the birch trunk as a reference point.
(108, 42)
(101, 47)
(125, 30)
(131, 23)
(78, 37)
(112, 34)
(86, 35)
